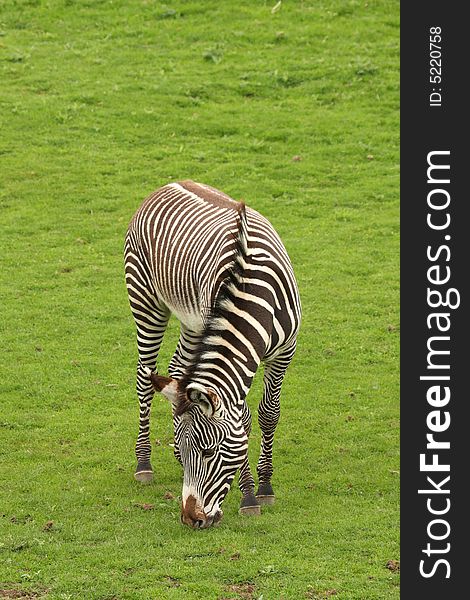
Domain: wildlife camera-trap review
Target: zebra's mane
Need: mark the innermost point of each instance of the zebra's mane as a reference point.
(233, 279)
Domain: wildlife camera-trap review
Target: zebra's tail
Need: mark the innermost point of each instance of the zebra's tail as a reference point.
(233, 277)
(241, 245)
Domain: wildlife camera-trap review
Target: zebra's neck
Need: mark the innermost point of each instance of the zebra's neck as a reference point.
(232, 346)
(224, 369)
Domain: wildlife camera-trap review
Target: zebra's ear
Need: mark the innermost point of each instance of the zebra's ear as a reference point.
(166, 386)
(205, 398)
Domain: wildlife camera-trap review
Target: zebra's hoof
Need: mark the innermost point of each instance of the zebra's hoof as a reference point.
(143, 476)
(265, 494)
(143, 472)
(265, 499)
(249, 505)
(250, 510)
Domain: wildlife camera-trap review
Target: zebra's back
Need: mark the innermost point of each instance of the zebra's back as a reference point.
(188, 235)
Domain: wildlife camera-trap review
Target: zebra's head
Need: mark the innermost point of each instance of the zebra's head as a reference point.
(211, 444)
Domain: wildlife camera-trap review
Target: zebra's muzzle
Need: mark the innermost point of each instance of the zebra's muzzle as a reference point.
(196, 518)
(192, 515)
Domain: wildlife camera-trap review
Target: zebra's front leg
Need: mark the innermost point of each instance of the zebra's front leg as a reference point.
(268, 418)
(176, 447)
(249, 504)
(185, 350)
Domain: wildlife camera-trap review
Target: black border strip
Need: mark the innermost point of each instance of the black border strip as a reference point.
(429, 128)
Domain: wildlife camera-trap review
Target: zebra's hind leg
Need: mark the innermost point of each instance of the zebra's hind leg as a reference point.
(249, 505)
(268, 417)
(143, 448)
(150, 330)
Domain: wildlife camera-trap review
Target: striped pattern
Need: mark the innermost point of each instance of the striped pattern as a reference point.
(223, 271)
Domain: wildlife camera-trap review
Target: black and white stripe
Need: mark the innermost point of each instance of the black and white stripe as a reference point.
(223, 271)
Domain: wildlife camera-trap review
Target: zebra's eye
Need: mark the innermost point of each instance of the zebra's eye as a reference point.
(206, 452)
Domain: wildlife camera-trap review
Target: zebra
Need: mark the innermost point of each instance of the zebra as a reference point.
(222, 270)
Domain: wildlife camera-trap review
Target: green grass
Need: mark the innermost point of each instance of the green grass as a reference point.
(101, 103)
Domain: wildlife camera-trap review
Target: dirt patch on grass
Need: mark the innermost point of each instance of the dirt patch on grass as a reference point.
(11, 593)
(393, 565)
(243, 590)
(172, 581)
(320, 595)
(144, 506)
(21, 520)
(48, 526)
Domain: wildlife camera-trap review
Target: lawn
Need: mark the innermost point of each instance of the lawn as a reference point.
(292, 107)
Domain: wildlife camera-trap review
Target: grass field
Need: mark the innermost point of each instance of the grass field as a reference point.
(293, 108)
